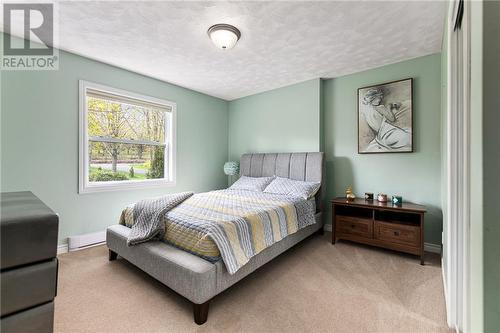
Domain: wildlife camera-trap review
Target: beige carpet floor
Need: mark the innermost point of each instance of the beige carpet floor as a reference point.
(314, 287)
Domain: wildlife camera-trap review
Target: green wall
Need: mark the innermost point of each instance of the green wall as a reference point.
(416, 176)
(280, 120)
(39, 140)
(491, 164)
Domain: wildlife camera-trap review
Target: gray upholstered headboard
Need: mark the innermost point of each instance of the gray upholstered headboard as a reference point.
(298, 166)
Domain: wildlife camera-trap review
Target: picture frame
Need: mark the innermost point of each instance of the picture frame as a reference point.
(385, 117)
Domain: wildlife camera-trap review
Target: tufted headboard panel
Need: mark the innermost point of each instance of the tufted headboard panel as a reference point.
(299, 166)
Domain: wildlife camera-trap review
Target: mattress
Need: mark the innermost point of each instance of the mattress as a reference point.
(269, 218)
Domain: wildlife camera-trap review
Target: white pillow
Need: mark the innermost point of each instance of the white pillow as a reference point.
(292, 187)
(251, 183)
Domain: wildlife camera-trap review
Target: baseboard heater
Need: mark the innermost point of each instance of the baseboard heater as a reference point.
(87, 240)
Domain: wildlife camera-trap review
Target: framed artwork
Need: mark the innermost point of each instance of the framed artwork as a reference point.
(385, 118)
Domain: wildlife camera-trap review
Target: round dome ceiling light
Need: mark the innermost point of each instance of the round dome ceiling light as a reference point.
(224, 36)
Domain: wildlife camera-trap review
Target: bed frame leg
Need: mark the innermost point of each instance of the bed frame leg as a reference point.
(321, 231)
(112, 255)
(200, 312)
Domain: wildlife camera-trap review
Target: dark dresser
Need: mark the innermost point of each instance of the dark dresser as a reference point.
(28, 263)
(382, 224)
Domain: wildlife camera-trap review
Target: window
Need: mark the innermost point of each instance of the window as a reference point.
(126, 140)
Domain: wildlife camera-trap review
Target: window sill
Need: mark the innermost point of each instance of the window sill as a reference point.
(124, 185)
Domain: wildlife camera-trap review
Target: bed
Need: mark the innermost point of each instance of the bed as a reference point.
(199, 274)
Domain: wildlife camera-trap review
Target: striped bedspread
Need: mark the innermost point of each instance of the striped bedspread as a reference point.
(234, 224)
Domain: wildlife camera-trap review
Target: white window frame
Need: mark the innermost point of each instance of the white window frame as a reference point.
(84, 186)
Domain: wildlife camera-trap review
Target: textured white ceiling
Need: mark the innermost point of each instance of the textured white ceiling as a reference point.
(282, 42)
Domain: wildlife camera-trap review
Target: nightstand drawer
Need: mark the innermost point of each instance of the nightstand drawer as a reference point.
(397, 233)
(354, 226)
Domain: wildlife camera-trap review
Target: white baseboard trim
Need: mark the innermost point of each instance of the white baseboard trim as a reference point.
(81, 242)
(428, 247)
(88, 246)
(63, 248)
(86, 240)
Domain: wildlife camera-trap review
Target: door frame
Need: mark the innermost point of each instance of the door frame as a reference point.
(458, 167)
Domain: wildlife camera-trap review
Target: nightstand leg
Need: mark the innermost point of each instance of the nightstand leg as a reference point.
(333, 224)
(422, 239)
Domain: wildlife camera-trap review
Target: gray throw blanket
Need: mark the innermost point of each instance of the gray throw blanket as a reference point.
(149, 214)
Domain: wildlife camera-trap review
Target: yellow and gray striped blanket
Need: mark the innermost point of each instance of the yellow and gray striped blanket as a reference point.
(234, 225)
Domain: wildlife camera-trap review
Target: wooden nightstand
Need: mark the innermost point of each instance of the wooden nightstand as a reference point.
(399, 228)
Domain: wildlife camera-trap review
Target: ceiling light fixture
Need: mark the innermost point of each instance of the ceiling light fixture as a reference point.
(224, 36)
